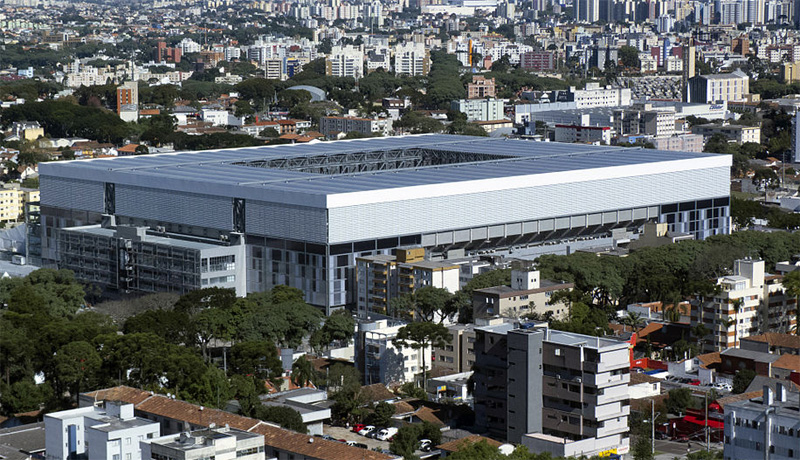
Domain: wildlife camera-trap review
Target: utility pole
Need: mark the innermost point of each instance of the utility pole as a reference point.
(708, 443)
(653, 427)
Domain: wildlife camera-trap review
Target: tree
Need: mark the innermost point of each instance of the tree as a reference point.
(339, 326)
(766, 178)
(258, 359)
(642, 449)
(409, 390)
(284, 416)
(679, 399)
(425, 304)
(382, 414)
(742, 380)
(633, 320)
(420, 336)
(302, 371)
(791, 284)
(629, 56)
(76, 365)
(24, 396)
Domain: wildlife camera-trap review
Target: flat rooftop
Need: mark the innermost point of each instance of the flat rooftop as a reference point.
(360, 165)
(155, 239)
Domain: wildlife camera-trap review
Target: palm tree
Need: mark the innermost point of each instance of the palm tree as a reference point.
(700, 331)
(634, 320)
(791, 284)
(302, 371)
(727, 323)
(737, 305)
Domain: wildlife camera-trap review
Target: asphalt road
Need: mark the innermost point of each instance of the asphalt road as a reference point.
(672, 449)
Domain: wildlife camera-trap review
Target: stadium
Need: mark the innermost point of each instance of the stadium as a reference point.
(304, 212)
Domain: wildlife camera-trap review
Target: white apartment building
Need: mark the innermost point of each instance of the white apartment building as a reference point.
(379, 58)
(380, 361)
(729, 87)
(345, 61)
(110, 433)
(209, 444)
(219, 117)
(187, 46)
(480, 109)
(598, 135)
(593, 95)
(766, 427)
(412, 59)
(749, 302)
(644, 119)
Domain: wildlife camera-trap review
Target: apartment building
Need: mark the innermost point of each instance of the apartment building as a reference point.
(597, 135)
(27, 130)
(553, 391)
(481, 88)
(729, 87)
(110, 433)
(13, 199)
(749, 302)
(134, 259)
(480, 109)
(127, 94)
(737, 133)
(412, 59)
(220, 443)
(382, 277)
(763, 427)
(527, 294)
(538, 60)
(458, 355)
(345, 61)
(680, 143)
(333, 126)
(380, 361)
(593, 95)
(644, 119)
(379, 58)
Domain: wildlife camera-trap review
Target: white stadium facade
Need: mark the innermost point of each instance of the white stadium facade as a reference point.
(300, 214)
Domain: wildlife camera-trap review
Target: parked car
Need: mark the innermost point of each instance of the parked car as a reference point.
(358, 427)
(386, 433)
(366, 430)
(723, 386)
(425, 445)
(695, 382)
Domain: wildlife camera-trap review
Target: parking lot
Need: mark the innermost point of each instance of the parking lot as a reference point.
(340, 432)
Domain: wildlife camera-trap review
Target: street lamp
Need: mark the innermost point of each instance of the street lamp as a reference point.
(652, 421)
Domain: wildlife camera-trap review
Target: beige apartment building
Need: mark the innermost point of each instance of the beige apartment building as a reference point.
(527, 294)
(749, 302)
(382, 277)
(13, 199)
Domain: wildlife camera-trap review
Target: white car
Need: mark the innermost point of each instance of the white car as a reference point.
(425, 445)
(367, 430)
(386, 433)
(723, 386)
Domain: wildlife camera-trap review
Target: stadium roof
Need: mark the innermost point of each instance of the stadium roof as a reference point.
(445, 159)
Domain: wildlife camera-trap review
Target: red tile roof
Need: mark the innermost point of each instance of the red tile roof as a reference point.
(274, 436)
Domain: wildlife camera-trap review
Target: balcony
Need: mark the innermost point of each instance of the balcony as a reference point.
(606, 379)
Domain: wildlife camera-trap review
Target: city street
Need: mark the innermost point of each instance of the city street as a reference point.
(672, 449)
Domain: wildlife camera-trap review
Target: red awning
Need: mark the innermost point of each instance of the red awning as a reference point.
(698, 421)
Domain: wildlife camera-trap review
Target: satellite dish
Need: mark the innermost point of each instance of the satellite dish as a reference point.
(506, 449)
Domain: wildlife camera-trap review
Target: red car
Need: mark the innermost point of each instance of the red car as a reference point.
(695, 382)
(358, 427)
